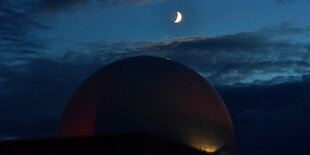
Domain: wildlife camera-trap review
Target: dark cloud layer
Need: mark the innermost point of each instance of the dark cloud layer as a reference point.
(35, 7)
(56, 5)
(270, 119)
(17, 33)
(20, 23)
(109, 3)
(259, 57)
(284, 1)
(287, 1)
(69, 5)
(33, 95)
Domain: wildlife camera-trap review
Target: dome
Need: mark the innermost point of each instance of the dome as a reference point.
(152, 95)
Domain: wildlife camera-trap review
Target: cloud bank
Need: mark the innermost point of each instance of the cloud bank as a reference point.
(259, 57)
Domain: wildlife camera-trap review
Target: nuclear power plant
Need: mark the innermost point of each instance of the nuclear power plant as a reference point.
(142, 103)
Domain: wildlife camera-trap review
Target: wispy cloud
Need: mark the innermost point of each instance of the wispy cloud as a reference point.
(289, 1)
(284, 1)
(70, 5)
(17, 29)
(21, 24)
(259, 57)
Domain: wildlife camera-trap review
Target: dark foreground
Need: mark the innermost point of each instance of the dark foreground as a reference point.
(135, 144)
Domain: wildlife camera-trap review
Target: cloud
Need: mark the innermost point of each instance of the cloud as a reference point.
(107, 3)
(21, 24)
(264, 57)
(259, 57)
(284, 1)
(35, 8)
(17, 29)
(70, 5)
(270, 119)
(287, 1)
(55, 5)
(33, 95)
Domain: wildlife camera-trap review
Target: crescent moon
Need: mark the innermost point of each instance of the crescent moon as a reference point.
(179, 17)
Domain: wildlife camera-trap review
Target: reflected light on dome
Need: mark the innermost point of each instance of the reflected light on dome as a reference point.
(210, 149)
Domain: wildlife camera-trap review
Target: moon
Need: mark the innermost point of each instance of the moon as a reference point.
(179, 17)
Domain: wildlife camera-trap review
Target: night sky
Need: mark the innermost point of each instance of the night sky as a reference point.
(256, 53)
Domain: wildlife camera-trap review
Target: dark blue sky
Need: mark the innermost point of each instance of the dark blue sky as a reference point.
(255, 53)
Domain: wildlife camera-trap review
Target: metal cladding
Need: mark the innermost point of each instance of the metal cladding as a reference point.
(152, 95)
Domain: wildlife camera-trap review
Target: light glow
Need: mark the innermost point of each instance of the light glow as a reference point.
(210, 149)
(179, 17)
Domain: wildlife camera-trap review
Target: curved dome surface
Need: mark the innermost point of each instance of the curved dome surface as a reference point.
(154, 95)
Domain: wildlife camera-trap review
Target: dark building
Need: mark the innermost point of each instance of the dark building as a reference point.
(152, 95)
